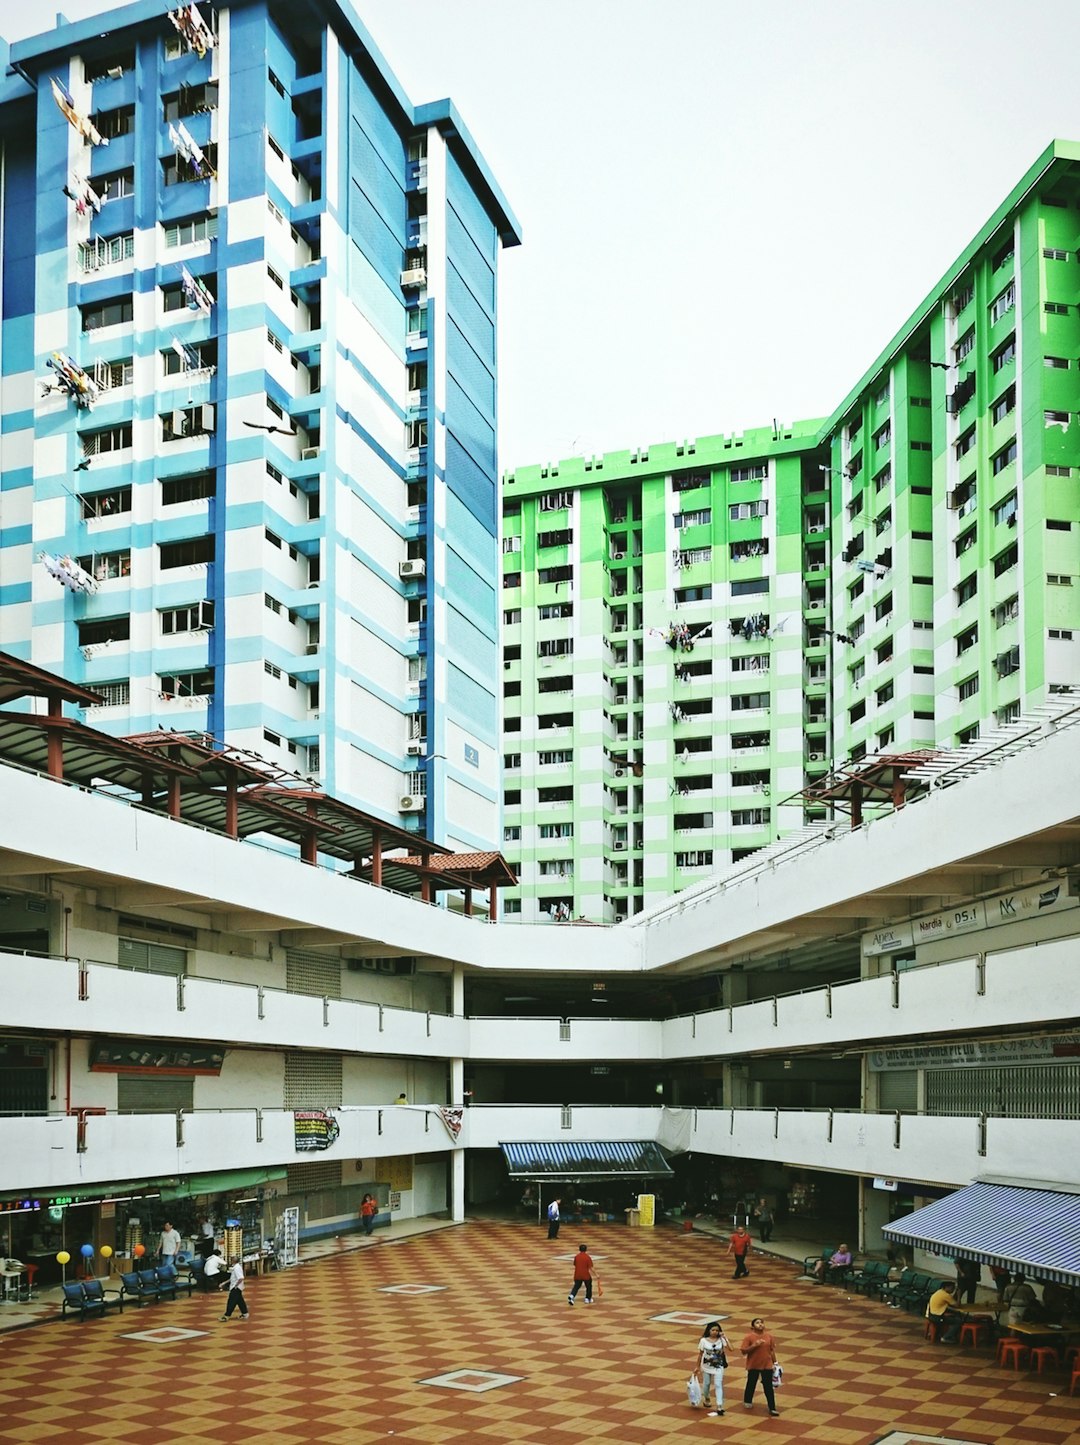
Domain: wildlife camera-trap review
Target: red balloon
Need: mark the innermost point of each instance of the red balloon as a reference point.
(139, 1251)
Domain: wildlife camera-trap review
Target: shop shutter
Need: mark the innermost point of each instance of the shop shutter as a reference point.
(1026, 1091)
(899, 1089)
(152, 957)
(153, 1093)
(313, 1081)
(312, 973)
(312, 1178)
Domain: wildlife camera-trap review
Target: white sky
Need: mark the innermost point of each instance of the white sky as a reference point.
(728, 208)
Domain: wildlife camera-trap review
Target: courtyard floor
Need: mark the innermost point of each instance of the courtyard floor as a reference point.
(465, 1335)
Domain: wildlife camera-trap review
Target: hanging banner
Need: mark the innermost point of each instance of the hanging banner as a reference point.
(1060, 1048)
(314, 1130)
(452, 1118)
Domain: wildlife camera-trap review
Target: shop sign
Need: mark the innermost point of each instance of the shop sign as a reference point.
(150, 1056)
(885, 1184)
(970, 1055)
(395, 1201)
(888, 940)
(11, 1206)
(983, 913)
(314, 1130)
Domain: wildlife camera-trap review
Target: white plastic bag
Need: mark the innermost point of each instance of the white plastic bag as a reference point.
(777, 1376)
(693, 1390)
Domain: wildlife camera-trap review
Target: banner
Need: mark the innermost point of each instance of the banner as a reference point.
(1058, 1048)
(313, 1130)
(452, 1118)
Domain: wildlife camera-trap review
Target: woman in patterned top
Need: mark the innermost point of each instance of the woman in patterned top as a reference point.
(711, 1364)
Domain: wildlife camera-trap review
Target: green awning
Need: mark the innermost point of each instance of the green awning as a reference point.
(231, 1181)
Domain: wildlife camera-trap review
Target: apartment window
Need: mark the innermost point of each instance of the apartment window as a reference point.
(106, 313)
(116, 186)
(189, 553)
(883, 435)
(275, 278)
(1004, 404)
(965, 541)
(194, 488)
(555, 574)
(1056, 363)
(552, 831)
(556, 868)
(693, 556)
(512, 834)
(1006, 253)
(857, 673)
(564, 793)
(104, 629)
(555, 501)
(112, 694)
(741, 551)
(176, 170)
(757, 472)
(923, 401)
(511, 689)
(511, 579)
(511, 616)
(1054, 253)
(1055, 308)
(1059, 634)
(1007, 714)
(187, 684)
(967, 589)
(857, 713)
(1006, 560)
(111, 439)
(1056, 524)
(884, 652)
(512, 760)
(191, 100)
(186, 356)
(752, 662)
(883, 608)
(101, 251)
(854, 427)
(552, 610)
(964, 346)
(967, 639)
(1056, 418)
(696, 858)
(750, 817)
(198, 617)
(882, 521)
(883, 478)
(700, 518)
(920, 446)
(104, 67)
(555, 647)
(963, 498)
(965, 442)
(743, 511)
(511, 544)
(1007, 611)
(191, 421)
(1058, 579)
(689, 481)
(1006, 663)
(749, 701)
(963, 299)
(195, 228)
(105, 504)
(1005, 511)
(857, 628)
(884, 694)
(1003, 354)
(886, 737)
(693, 594)
(1003, 303)
(562, 537)
(856, 589)
(105, 566)
(555, 757)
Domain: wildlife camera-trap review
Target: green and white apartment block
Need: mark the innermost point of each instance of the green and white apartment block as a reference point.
(694, 633)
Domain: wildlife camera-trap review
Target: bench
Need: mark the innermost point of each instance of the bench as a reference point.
(893, 1288)
(169, 1279)
(810, 1263)
(871, 1279)
(144, 1285)
(89, 1297)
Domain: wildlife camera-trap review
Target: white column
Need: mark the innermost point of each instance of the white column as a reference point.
(457, 1185)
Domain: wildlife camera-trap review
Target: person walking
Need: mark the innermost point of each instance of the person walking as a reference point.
(583, 1274)
(740, 1248)
(759, 1349)
(764, 1216)
(236, 1298)
(169, 1244)
(369, 1207)
(711, 1363)
(553, 1218)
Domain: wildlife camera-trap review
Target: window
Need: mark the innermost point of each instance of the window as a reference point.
(562, 537)
(857, 713)
(749, 701)
(551, 831)
(98, 630)
(1056, 418)
(964, 442)
(1006, 663)
(191, 100)
(1059, 471)
(194, 488)
(1007, 714)
(883, 478)
(882, 521)
(512, 797)
(195, 228)
(555, 758)
(883, 608)
(1056, 363)
(191, 421)
(700, 518)
(967, 639)
(884, 694)
(101, 251)
(696, 858)
(689, 481)
(856, 589)
(883, 435)
(1005, 561)
(555, 501)
(750, 817)
(114, 123)
(1059, 634)
(742, 511)
(920, 446)
(1054, 253)
(1006, 253)
(1007, 611)
(511, 616)
(1005, 511)
(963, 299)
(967, 589)
(1003, 303)
(552, 610)
(105, 66)
(184, 356)
(511, 544)
(189, 553)
(112, 694)
(857, 673)
(187, 684)
(751, 662)
(198, 617)
(556, 868)
(510, 761)
(555, 574)
(757, 472)
(1055, 308)
(116, 186)
(1003, 354)
(693, 594)
(1055, 524)
(693, 556)
(1004, 404)
(884, 652)
(106, 504)
(562, 794)
(512, 834)
(176, 170)
(105, 566)
(965, 541)
(106, 313)
(920, 401)
(511, 689)
(555, 647)
(740, 551)
(511, 579)
(111, 439)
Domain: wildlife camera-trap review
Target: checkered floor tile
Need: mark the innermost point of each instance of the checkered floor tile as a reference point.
(337, 1354)
(167, 1335)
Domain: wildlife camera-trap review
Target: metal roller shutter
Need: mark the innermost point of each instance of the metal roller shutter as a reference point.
(153, 1093)
(152, 957)
(312, 973)
(899, 1089)
(313, 1081)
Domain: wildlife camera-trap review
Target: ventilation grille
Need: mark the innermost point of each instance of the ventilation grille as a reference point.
(308, 1178)
(312, 1081)
(312, 973)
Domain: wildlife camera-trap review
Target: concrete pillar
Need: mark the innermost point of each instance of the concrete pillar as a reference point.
(457, 1185)
(457, 1081)
(457, 991)
(736, 1086)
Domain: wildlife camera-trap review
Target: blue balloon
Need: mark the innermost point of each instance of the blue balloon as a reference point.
(87, 1251)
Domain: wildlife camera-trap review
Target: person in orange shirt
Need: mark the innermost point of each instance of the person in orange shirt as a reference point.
(759, 1349)
(740, 1248)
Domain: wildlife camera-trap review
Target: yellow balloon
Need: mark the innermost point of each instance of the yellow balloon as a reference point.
(105, 1251)
(63, 1257)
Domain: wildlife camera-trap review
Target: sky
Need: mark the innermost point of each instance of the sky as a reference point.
(727, 209)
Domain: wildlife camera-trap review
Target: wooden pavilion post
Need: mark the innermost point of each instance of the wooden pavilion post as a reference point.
(376, 857)
(55, 741)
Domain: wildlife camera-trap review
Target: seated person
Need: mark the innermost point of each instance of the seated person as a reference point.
(837, 1262)
(943, 1303)
(1018, 1299)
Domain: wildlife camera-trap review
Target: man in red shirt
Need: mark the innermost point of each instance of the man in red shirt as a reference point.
(740, 1248)
(583, 1268)
(759, 1348)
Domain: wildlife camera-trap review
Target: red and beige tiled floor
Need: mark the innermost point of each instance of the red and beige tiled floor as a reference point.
(465, 1335)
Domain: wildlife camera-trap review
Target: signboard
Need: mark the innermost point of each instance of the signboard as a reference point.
(150, 1056)
(885, 1183)
(394, 1201)
(646, 1204)
(971, 1055)
(314, 1130)
(1032, 902)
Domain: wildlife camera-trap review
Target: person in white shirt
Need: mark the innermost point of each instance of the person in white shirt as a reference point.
(170, 1243)
(214, 1275)
(236, 1289)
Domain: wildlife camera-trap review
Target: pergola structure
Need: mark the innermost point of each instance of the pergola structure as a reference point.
(192, 778)
(881, 779)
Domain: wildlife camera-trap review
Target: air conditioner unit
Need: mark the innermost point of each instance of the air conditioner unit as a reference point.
(816, 567)
(816, 527)
(813, 757)
(620, 772)
(816, 605)
(310, 649)
(410, 804)
(620, 699)
(618, 556)
(414, 749)
(619, 846)
(309, 454)
(414, 567)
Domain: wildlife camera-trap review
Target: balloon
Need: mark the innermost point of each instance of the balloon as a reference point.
(87, 1251)
(139, 1251)
(106, 1251)
(63, 1257)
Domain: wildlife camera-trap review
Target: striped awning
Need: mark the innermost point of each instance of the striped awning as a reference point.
(563, 1160)
(1036, 1231)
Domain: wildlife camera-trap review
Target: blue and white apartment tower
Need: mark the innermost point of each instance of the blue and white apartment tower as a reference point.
(248, 472)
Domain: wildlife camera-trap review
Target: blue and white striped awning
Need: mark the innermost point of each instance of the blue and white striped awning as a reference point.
(1036, 1231)
(563, 1160)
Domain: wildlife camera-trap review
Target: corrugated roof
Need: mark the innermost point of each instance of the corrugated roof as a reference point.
(564, 1160)
(1036, 1231)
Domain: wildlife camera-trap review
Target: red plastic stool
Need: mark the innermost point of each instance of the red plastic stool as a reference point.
(1072, 1357)
(1075, 1378)
(31, 1270)
(1044, 1357)
(1012, 1353)
(972, 1333)
(932, 1331)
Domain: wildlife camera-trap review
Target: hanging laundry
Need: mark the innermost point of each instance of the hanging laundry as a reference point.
(83, 124)
(83, 194)
(68, 573)
(71, 380)
(187, 354)
(195, 293)
(193, 29)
